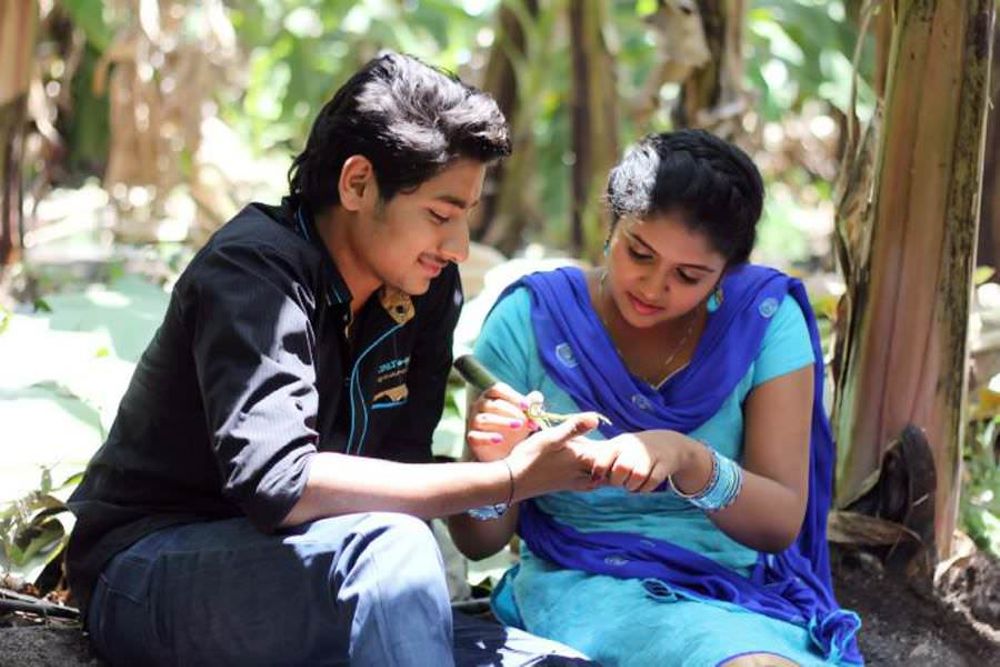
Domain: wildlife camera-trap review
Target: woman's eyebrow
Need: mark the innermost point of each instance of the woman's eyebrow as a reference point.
(635, 237)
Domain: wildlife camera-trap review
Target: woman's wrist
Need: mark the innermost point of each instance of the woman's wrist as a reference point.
(694, 469)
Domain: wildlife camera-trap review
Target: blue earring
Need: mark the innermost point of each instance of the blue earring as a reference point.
(715, 299)
(607, 247)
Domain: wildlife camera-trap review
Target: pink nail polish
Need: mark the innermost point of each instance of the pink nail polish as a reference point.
(496, 437)
(516, 423)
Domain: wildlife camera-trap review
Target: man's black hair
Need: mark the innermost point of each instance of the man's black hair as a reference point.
(712, 184)
(408, 118)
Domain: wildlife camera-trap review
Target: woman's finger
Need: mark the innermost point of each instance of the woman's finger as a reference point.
(499, 407)
(638, 479)
(490, 421)
(656, 476)
(483, 439)
(620, 472)
(604, 459)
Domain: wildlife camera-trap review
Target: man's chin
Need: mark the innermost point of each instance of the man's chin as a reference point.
(414, 286)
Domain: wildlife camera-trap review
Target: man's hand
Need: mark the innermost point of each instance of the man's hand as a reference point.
(641, 461)
(556, 459)
(497, 421)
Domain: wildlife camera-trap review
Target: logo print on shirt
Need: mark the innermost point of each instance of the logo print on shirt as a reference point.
(392, 372)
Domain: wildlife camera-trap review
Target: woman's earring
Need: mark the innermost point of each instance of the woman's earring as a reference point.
(715, 300)
(607, 246)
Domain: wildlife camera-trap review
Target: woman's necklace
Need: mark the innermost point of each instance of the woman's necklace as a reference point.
(663, 376)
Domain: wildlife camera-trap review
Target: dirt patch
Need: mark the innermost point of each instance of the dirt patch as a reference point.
(903, 626)
(45, 645)
(958, 625)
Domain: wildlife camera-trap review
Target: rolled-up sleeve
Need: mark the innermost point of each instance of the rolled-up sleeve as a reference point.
(254, 351)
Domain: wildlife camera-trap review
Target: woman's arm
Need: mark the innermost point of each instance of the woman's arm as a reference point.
(496, 424)
(768, 512)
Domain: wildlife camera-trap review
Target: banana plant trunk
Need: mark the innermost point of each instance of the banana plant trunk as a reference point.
(909, 258)
(509, 200)
(989, 210)
(18, 21)
(595, 124)
(713, 96)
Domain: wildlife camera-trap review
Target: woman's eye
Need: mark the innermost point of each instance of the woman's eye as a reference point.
(440, 219)
(689, 279)
(635, 254)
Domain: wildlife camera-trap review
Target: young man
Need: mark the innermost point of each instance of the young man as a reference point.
(260, 495)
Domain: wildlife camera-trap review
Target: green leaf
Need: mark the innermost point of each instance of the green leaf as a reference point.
(72, 480)
(645, 7)
(88, 15)
(979, 276)
(42, 306)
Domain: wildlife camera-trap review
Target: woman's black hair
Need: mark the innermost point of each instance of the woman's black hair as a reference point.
(712, 184)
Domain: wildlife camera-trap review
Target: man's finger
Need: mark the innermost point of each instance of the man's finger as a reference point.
(573, 427)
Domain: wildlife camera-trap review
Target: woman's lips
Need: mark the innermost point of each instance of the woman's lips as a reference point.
(641, 306)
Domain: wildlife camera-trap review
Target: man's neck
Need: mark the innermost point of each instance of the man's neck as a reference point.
(333, 227)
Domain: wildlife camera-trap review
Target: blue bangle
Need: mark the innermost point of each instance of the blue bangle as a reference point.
(723, 487)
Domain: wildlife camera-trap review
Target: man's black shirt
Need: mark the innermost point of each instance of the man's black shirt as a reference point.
(251, 372)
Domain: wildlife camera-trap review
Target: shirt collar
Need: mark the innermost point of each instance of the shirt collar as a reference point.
(396, 303)
(305, 226)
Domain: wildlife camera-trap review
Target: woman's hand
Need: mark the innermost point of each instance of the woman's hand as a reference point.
(497, 421)
(640, 462)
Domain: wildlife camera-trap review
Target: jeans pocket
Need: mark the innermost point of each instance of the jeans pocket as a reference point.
(123, 628)
(128, 577)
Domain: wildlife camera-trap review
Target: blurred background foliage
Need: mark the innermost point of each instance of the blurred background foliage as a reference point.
(265, 67)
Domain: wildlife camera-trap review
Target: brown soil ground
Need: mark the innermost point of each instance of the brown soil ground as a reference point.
(958, 625)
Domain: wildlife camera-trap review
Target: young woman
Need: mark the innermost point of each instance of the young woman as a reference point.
(704, 540)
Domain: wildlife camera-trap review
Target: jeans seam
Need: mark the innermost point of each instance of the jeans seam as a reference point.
(383, 621)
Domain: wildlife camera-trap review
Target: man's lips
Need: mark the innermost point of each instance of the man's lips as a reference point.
(432, 266)
(642, 307)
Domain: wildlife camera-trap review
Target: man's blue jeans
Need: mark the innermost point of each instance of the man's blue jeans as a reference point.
(363, 589)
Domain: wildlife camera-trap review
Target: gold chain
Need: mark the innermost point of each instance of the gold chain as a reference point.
(677, 348)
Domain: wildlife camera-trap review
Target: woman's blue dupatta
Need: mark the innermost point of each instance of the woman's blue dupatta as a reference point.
(578, 354)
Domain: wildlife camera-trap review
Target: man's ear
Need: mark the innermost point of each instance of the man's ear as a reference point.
(357, 182)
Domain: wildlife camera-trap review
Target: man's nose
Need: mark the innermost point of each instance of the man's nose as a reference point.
(455, 247)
